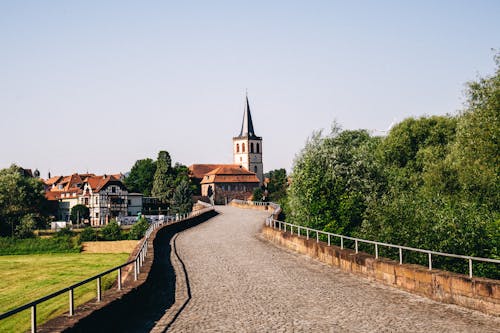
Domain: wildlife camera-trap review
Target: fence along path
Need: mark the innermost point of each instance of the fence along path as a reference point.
(239, 282)
(137, 263)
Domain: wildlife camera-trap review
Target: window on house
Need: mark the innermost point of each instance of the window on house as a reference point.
(255, 169)
(237, 147)
(86, 201)
(128, 202)
(96, 200)
(258, 148)
(113, 189)
(243, 147)
(251, 147)
(96, 215)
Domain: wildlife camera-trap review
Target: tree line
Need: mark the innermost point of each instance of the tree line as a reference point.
(171, 185)
(432, 182)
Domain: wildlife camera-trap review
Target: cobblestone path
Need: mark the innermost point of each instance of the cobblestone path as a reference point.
(240, 283)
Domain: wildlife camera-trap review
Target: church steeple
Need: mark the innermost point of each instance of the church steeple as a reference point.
(247, 125)
(247, 147)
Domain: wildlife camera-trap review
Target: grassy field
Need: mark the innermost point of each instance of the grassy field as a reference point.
(24, 278)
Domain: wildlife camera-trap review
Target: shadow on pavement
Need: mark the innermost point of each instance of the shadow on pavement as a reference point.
(139, 310)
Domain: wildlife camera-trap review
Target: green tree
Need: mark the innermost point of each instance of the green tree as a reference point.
(141, 176)
(475, 156)
(26, 227)
(443, 182)
(278, 183)
(139, 228)
(333, 179)
(111, 231)
(163, 179)
(79, 213)
(19, 195)
(182, 197)
(257, 194)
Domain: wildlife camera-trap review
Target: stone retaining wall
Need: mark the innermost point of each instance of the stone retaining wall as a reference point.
(476, 293)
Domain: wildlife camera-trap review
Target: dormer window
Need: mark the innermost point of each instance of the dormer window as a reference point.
(113, 189)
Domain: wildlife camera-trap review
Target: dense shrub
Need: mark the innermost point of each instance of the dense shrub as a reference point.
(88, 235)
(64, 232)
(111, 232)
(139, 229)
(26, 227)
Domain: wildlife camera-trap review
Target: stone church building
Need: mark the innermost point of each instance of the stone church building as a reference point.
(224, 182)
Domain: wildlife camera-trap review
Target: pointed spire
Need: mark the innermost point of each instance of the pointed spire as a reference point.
(247, 125)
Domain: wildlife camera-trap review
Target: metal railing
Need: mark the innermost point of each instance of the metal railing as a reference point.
(313, 232)
(138, 262)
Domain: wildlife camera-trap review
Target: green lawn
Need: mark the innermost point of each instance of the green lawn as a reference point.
(24, 278)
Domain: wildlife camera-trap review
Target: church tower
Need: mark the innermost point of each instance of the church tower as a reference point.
(247, 147)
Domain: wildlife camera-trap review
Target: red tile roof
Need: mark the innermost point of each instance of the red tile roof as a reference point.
(71, 186)
(230, 174)
(98, 182)
(200, 170)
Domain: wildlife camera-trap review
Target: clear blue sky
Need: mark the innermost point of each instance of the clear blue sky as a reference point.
(96, 85)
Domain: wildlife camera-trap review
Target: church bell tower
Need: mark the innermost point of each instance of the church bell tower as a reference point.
(247, 147)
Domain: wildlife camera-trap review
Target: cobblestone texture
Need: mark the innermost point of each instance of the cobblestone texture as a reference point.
(240, 283)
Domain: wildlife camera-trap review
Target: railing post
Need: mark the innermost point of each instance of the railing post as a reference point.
(328, 239)
(135, 270)
(341, 242)
(119, 278)
(470, 268)
(376, 251)
(33, 319)
(99, 289)
(430, 261)
(317, 236)
(400, 256)
(356, 245)
(307, 233)
(71, 303)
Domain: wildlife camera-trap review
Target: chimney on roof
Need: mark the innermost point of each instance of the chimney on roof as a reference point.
(104, 177)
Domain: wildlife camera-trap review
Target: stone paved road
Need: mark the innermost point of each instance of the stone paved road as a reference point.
(240, 283)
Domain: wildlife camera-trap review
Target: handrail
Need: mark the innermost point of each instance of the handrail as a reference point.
(138, 262)
(270, 221)
(283, 226)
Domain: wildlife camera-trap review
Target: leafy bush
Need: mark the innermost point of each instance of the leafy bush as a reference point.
(64, 232)
(26, 227)
(111, 231)
(139, 229)
(88, 235)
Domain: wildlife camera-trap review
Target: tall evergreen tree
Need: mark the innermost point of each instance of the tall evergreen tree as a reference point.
(182, 197)
(163, 178)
